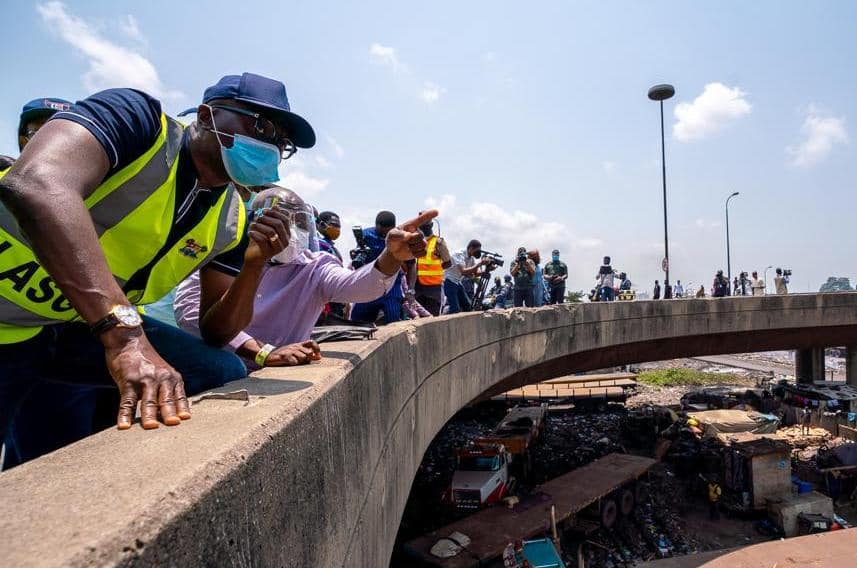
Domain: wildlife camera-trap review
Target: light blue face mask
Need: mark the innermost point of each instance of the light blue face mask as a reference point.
(249, 162)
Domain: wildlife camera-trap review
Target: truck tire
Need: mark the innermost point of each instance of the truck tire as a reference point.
(609, 513)
(626, 502)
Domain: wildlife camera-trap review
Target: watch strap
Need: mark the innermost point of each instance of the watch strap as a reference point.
(107, 322)
(262, 355)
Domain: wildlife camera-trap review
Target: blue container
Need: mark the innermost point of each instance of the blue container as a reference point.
(541, 553)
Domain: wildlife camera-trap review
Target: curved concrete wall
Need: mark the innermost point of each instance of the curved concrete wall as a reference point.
(316, 468)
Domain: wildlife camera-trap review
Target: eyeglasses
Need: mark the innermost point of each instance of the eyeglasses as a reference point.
(265, 130)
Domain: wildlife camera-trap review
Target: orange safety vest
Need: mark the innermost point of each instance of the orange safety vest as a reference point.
(429, 267)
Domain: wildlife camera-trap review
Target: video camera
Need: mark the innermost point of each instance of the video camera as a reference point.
(359, 255)
(494, 260)
(787, 271)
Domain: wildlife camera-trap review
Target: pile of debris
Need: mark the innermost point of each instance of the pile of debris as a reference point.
(571, 440)
(655, 531)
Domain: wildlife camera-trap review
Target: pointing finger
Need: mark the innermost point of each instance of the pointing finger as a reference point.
(420, 219)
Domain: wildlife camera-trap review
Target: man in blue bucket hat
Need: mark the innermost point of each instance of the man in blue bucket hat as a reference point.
(112, 204)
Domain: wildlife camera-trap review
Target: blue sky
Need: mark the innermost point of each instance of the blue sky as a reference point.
(527, 125)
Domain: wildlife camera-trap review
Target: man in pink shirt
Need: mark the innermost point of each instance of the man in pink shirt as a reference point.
(295, 287)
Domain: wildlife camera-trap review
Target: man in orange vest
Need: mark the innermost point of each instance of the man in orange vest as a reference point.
(429, 286)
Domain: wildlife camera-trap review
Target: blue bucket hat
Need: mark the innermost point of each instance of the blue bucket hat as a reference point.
(267, 94)
(38, 108)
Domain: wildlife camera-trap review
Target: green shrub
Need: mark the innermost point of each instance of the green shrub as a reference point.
(677, 377)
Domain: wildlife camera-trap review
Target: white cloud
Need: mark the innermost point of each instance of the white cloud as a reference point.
(705, 224)
(590, 243)
(386, 55)
(431, 92)
(323, 162)
(820, 135)
(131, 29)
(110, 64)
(501, 229)
(303, 184)
(337, 149)
(709, 112)
(608, 167)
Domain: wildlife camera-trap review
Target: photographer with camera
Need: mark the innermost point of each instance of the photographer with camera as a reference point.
(370, 245)
(781, 281)
(463, 266)
(523, 269)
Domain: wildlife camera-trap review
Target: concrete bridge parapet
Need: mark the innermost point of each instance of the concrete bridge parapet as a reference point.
(315, 469)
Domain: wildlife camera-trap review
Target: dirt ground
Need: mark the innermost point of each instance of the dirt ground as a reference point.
(673, 521)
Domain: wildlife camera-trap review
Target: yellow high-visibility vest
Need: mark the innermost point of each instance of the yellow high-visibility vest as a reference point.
(430, 267)
(133, 213)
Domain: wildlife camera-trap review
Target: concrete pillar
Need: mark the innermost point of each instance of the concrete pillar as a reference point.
(851, 365)
(809, 365)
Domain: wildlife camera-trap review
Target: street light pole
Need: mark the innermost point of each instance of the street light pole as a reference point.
(661, 93)
(728, 253)
(766, 278)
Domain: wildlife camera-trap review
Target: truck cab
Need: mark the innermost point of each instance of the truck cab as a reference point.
(481, 476)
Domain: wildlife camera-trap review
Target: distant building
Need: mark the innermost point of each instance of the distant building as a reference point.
(836, 284)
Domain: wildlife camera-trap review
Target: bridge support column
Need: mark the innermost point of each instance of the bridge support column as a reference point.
(809, 365)
(851, 365)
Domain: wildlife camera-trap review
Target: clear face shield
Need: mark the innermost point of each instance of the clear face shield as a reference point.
(301, 226)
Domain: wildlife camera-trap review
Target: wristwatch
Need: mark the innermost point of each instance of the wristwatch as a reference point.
(119, 316)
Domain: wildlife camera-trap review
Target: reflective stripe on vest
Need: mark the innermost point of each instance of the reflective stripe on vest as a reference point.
(132, 212)
(429, 267)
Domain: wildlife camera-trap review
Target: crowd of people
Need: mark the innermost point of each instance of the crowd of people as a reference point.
(143, 260)
(609, 283)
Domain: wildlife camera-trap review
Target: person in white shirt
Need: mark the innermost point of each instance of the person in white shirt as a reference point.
(463, 266)
(678, 290)
(781, 281)
(758, 285)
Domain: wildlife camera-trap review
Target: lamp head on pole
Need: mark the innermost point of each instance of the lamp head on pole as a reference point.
(661, 92)
(736, 193)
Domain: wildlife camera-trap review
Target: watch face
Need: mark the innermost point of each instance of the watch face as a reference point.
(127, 316)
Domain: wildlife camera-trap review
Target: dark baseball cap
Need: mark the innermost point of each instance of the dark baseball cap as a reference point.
(40, 108)
(268, 94)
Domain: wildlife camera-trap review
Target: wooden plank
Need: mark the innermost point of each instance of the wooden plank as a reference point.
(587, 378)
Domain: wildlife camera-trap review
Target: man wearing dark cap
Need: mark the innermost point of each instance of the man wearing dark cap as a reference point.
(391, 302)
(556, 273)
(111, 205)
(33, 116)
